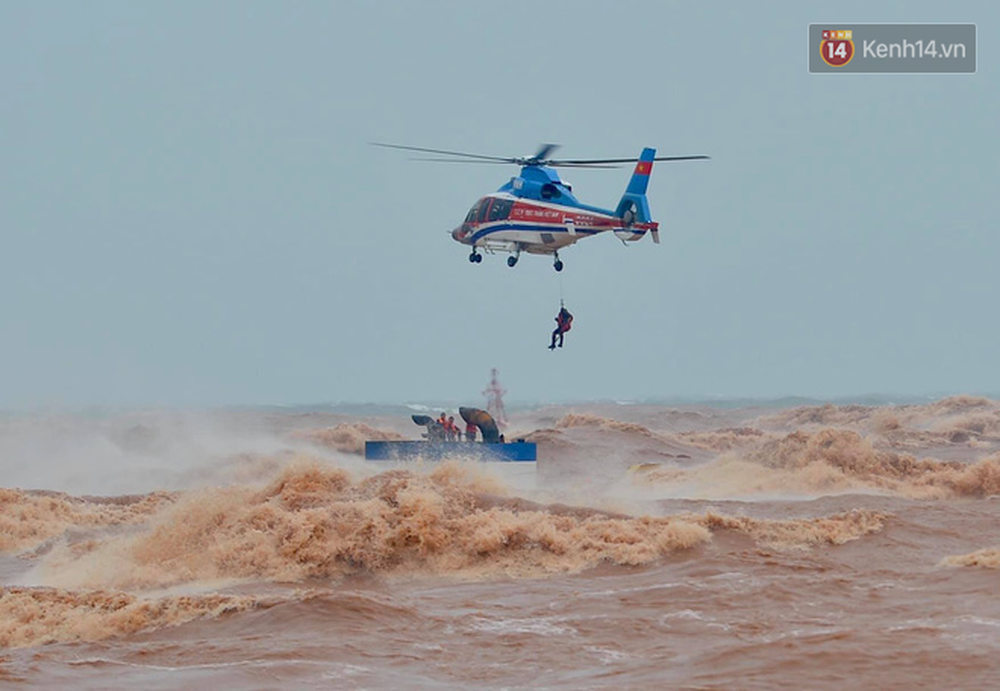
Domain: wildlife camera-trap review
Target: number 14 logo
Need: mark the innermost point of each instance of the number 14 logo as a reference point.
(837, 48)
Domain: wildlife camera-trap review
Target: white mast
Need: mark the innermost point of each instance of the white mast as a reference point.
(494, 399)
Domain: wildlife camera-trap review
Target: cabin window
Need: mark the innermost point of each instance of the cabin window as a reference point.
(500, 209)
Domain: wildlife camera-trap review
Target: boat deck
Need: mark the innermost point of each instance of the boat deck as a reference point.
(517, 451)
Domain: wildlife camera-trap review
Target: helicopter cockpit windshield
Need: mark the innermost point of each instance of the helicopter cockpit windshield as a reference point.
(473, 214)
(489, 209)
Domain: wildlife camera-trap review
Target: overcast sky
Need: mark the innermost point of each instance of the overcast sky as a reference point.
(191, 213)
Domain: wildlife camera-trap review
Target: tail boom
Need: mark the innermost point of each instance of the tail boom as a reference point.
(633, 208)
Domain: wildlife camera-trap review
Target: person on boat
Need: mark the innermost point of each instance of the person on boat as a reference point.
(470, 432)
(564, 322)
(453, 431)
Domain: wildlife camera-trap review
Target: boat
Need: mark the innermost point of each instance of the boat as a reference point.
(435, 446)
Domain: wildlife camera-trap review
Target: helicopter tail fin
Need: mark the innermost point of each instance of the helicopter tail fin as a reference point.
(634, 207)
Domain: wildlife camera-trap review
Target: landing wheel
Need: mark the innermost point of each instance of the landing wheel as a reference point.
(558, 266)
(479, 258)
(475, 257)
(511, 260)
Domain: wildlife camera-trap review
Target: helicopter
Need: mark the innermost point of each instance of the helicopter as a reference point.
(536, 212)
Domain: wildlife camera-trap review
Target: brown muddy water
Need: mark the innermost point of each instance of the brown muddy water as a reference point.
(821, 547)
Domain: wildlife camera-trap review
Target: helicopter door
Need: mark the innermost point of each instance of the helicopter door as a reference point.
(570, 226)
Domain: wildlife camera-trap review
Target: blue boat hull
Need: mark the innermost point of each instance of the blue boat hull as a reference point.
(435, 451)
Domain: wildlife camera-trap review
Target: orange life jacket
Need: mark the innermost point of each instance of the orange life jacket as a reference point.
(564, 320)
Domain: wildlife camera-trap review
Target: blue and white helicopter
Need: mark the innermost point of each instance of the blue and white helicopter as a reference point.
(536, 211)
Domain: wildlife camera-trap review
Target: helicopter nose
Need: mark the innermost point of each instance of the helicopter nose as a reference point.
(459, 234)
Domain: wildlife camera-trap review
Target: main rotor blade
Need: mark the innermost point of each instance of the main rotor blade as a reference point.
(463, 154)
(544, 151)
(458, 160)
(569, 164)
(585, 161)
(497, 163)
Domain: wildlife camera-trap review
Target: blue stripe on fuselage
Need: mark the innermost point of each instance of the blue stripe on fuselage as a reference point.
(530, 228)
